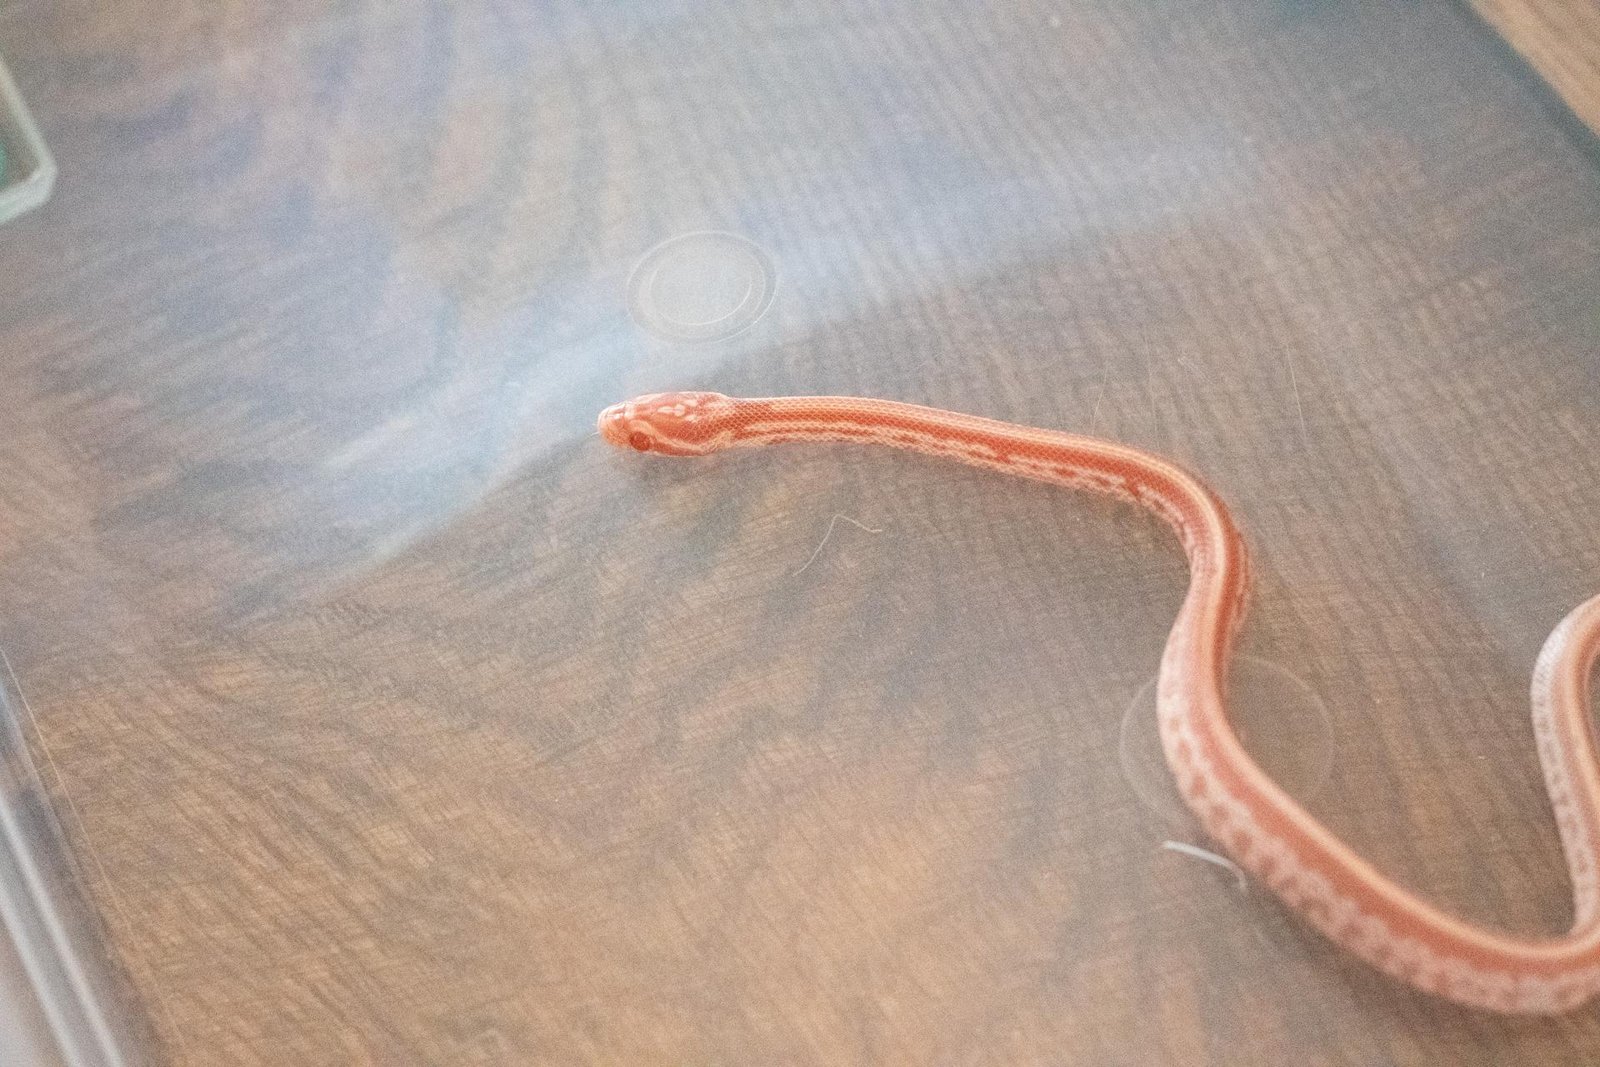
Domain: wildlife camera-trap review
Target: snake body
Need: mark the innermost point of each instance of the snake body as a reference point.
(1265, 830)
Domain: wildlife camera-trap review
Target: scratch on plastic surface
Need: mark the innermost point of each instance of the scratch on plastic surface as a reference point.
(1299, 409)
(1150, 383)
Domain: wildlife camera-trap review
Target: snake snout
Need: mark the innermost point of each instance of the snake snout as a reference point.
(613, 424)
(671, 424)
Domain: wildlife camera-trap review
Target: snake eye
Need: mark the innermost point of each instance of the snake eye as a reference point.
(639, 440)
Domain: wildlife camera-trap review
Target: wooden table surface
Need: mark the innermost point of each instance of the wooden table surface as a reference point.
(394, 719)
(1560, 39)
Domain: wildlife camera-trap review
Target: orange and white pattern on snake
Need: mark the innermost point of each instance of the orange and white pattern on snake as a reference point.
(1263, 828)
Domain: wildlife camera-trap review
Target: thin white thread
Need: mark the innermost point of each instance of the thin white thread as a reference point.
(1105, 380)
(1150, 381)
(1208, 856)
(829, 533)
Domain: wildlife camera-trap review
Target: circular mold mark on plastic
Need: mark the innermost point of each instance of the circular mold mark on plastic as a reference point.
(1280, 719)
(701, 286)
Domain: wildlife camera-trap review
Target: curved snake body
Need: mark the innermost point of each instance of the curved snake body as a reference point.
(1256, 822)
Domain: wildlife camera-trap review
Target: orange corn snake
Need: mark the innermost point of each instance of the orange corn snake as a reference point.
(1270, 835)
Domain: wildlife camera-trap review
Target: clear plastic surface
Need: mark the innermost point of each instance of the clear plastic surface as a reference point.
(58, 1006)
(392, 716)
(27, 170)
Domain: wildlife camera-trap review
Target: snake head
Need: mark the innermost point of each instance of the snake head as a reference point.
(673, 424)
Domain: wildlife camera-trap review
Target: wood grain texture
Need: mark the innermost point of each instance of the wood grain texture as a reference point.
(1560, 39)
(396, 720)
